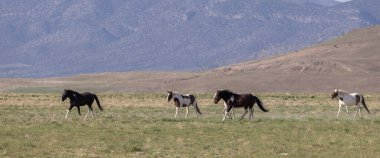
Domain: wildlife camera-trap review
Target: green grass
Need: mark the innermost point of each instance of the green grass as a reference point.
(142, 125)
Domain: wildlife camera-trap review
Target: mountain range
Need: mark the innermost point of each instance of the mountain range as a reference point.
(43, 38)
(349, 62)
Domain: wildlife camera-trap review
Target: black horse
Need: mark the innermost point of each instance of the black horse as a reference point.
(80, 99)
(233, 100)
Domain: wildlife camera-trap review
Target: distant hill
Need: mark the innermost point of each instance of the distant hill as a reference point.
(43, 38)
(367, 9)
(355, 52)
(319, 2)
(349, 62)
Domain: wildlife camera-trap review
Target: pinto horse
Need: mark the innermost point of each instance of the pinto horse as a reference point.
(346, 99)
(80, 99)
(233, 100)
(183, 100)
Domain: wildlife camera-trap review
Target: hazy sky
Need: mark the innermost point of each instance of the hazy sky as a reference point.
(343, 0)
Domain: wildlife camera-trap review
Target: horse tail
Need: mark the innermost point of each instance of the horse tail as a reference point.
(260, 104)
(97, 102)
(365, 106)
(197, 108)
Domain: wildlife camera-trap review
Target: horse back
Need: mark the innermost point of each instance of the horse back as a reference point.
(243, 100)
(87, 97)
(351, 99)
(187, 100)
(357, 97)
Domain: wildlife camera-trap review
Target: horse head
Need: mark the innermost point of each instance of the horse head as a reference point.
(216, 96)
(68, 93)
(65, 94)
(335, 93)
(170, 95)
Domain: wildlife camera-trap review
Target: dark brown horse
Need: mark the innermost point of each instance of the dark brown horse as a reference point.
(80, 99)
(233, 100)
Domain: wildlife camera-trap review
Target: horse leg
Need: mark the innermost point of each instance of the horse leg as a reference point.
(187, 111)
(338, 111)
(347, 110)
(90, 110)
(176, 112)
(67, 113)
(233, 113)
(225, 108)
(242, 116)
(68, 110)
(80, 116)
(250, 114)
(225, 115)
(229, 115)
(356, 111)
(360, 111)
(195, 110)
(87, 113)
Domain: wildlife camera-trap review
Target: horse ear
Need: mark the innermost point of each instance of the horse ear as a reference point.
(168, 91)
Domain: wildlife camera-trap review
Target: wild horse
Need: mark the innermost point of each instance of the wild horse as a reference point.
(346, 99)
(233, 100)
(183, 100)
(80, 99)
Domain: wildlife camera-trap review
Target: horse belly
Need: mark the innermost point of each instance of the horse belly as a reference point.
(347, 101)
(185, 103)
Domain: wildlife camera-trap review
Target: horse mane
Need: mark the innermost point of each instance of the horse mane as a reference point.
(72, 92)
(342, 91)
(227, 91)
(174, 92)
(226, 94)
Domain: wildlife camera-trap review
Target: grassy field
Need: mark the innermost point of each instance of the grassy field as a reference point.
(143, 125)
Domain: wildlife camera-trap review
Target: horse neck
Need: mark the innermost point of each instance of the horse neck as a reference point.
(342, 93)
(227, 95)
(177, 95)
(71, 95)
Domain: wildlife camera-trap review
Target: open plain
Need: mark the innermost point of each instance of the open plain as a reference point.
(143, 125)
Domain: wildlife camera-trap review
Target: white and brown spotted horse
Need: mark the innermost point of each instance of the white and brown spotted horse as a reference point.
(233, 100)
(183, 100)
(346, 99)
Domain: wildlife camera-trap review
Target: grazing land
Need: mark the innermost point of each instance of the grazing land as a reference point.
(142, 125)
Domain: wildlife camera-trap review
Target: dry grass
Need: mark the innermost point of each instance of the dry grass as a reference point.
(142, 125)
